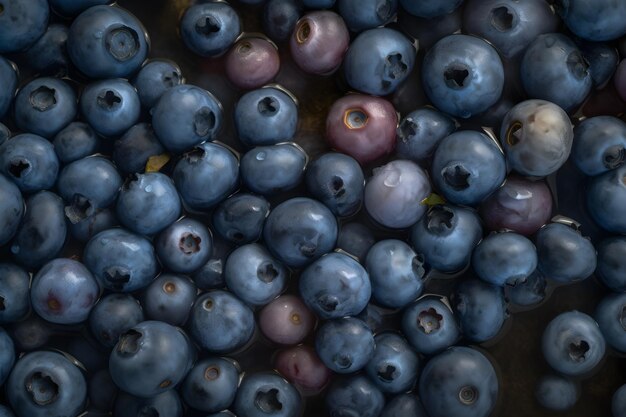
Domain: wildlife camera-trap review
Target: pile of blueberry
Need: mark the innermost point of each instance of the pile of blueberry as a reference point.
(165, 252)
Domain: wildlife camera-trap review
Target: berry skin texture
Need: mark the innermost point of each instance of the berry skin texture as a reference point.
(264, 394)
(21, 24)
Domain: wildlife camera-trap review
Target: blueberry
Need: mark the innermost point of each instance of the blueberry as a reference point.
(300, 230)
(21, 24)
(354, 396)
(480, 308)
(266, 395)
(220, 322)
(132, 152)
(8, 84)
(122, 261)
(420, 132)
(618, 403)
(599, 144)
(606, 196)
(460, 381)
(537, 137)
(509, 25)
(462, 75)
(155, 78)
(148, 203)
(556, 393)
(395, 192)
(396, 273)
(14, 293)
(30, 161)
(286, 320)
(394, 367)
(528, 293)
(446, 236)
(240, 218)
(184, 246)
(378, 60)
(572, 344)
(319, 42)
(87, 185)
(6, 412)
(48, 55)
(74, 7)
(252, 62)
(150, 358)
(211, 275)
(467, 167)
(554, 69)
(111, 107)
(611, 263)
(564, 254)
(114, 315)
(301, 366)
(429, 325)
(169, 298)
(90, 226)
(11, 209)
(362, 126)
(43, 230)
(107, 42)
(167, 403)
(279, 18)
(7, 355)
(206, 175)
(273, 169)
(611, 317)
(211, 385)
(31, 333)
(361, 15)
(356, 240)
(64, 291)
(345, 345)
(405, 405)
(603, 60)
(77, 140)
(594, 20)
(430, 10)
(336, 180)
(209, 29)
(335, 286)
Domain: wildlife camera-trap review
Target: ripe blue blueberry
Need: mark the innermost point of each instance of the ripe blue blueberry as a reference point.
(420, 132)
(429, 325)
(48, 56)
(611, 317)
(240, 218)
(209, 29)
(8, 84)
(155, 78)
(30, 161)
(405, 405)
(273, 169)
(611, 263)
(133, 150)
(184, 246)
(114, 315)
(211, 385)
(599, 144)
(480, 308)
(111, 107)
(354, 396)
(14, 293)
(345, 345)
(606, 196)
(361, 15)
(528, 293)
(279, 18)
(169, 299)
(77, 140)
(7, 355)
(594, 20)
(556, 392)
(394, 367)
(11, 209)
(21, 24)
(267, 395)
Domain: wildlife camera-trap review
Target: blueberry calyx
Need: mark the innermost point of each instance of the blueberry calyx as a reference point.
(267, 401)
(122, 43)
(207, 25)
(43, 98)
(42, 388)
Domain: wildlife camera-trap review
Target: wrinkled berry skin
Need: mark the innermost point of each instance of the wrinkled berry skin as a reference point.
(520, 205)
(211, 385)
(267, 394)
(599, 144)
(396, 273)
(361, 126)
(206, 175)
(154, 78)
(354, 396)
(133, 150)
(345, 345)
(114, 315)
(361, 15)
(14, 293)
(46, 384)
(122, 261)
(420, 132)
(335, 286)
(270, 170)
(133, 359)
(537, 138)
(467, 167)
(594, 20)
(252, 62)
(319, 42)
(220, 322)
(430, 325)
(394, 367)
(184, 246)
(265, 116)
(21, 24)
(43, 230)
(300, 230)
(209, 29)
(509, 25)
(428, 9)
(394, 194)
(148, 203)
(554, 69)
(446, 236)
(44, 106)
(611, 263)
(240, 218)
(572, 344)
(556, 392)
(186, 116)
(107, 42)
(611, 317)
(111, 107)
(8, 84)
(378, 60)
(64, 292)
(11, 209)
(167, 403)
(169, 298)
(7, 356)
(30, 161)
(606, 198)
(480, 309)
(462, 75)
